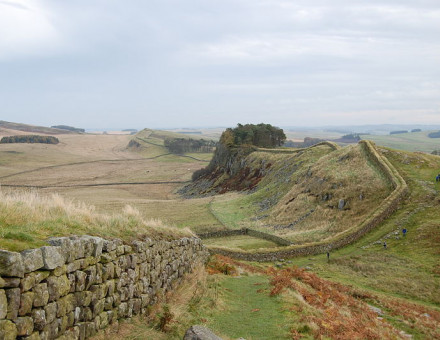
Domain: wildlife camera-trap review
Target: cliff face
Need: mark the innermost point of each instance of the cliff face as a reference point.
(228, 170)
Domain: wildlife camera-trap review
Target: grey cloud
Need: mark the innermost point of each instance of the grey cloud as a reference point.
(174, 63)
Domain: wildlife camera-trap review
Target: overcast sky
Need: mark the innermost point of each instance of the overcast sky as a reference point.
(163, 63)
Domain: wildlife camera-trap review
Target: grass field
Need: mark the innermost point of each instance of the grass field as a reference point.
(100, 171)
(126, 190)
(411, 141)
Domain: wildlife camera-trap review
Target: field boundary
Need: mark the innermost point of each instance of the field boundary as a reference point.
(332, 145)
(245, 231)
(387, 207)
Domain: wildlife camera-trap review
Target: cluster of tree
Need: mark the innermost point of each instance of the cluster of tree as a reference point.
(398, 131)
(69, 128)
(182, 145)
(261, 135)
(236, 143)
(30, 139)
(416, 130)
(351, 136)
(436, 152)
(434, 134)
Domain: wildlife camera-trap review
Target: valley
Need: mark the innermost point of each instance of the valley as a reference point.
(306, 196)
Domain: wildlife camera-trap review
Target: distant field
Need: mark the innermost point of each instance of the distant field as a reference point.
(411, 141)
(101, 171)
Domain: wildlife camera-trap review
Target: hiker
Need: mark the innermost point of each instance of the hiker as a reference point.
(437, 179)
(384, 245)
(404, 232)
(328, 256)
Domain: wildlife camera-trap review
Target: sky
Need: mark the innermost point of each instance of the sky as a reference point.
(174, 63)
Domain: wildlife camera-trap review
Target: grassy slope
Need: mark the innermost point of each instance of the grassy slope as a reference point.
(411, 141)
(32, 129)
(298, 198)
(28, 219)
(73, 167)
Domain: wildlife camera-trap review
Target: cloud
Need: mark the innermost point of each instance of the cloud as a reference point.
(216, 62)
(25, 29)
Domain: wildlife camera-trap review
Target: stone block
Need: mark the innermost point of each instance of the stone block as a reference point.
(58, 271)
(32, 259)
(80, 281)
(52, 257)
(25, 325)
(62, 324)
(108, 303)
(41, 295)
(39, 317)
(26, 303)
(104, 321)
(83, 298)
(77, 247)
(200, 333)
(28, 282)
(52, 329)
(8, 330)
(13, 295)
(65, 305)
(11, 264)
(72, 280)
(33, 336)
(108, 246)
(57, 287)
(3, 304)
(51, 312)
(98, 307)
(66, 245)
(123, 309)
(41, 275)
(11, 282)
(90, 329)
(73, 266)
(108, 271)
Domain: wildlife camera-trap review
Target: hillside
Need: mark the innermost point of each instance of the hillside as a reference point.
(410, 141)
(303, 196)
(32, 128)
(294, 194)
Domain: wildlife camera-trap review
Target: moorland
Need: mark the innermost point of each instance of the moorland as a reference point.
(120, 185)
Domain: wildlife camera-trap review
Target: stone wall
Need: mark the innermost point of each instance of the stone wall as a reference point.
(332, 145)
(386, 208)
(246, 231)
(79, 285)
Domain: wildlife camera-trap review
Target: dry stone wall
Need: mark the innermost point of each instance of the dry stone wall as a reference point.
(246, 231)
(79, 285)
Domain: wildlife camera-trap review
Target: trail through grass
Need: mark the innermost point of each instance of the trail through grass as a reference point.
(249, 310)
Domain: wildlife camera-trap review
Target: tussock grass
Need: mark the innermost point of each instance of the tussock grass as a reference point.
(27, 219)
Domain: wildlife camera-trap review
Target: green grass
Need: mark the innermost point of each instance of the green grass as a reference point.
(249, 311)
(244, 242)
(411, 141)
(410, 266)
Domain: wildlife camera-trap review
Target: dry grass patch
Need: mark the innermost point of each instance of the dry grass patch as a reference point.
(313, 202)
(27, 219)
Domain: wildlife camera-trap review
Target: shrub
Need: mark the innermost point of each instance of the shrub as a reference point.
(30, 139)
(434, 134)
